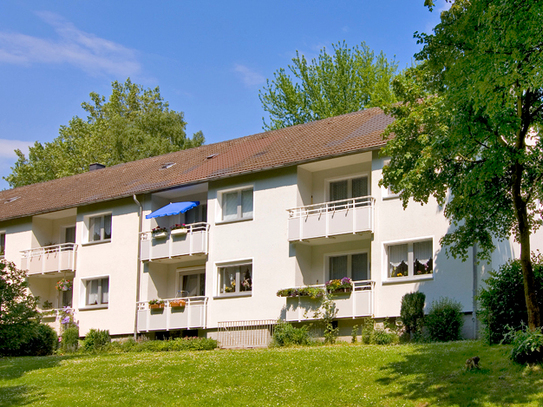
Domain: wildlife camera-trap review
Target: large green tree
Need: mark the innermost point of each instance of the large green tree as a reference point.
(18, 312)
(347, 81)
(132, 124)
(467, 128)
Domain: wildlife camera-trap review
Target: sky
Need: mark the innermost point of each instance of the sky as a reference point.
(209, 58)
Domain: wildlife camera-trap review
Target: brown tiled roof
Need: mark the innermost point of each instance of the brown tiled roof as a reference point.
(325, 138)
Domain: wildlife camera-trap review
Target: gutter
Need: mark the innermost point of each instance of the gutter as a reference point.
(138, 267)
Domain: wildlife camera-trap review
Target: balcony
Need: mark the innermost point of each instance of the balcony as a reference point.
(358, 303)
(49, 259)
(190, 316)
(174, 244)
(347, 216)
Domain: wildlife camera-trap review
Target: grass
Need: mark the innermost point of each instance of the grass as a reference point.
(344, 375)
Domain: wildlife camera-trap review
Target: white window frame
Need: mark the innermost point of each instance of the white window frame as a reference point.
(180, 272)
(240, 217)
(387, 192)
(237, 293)
(88, 218)
(62, 237)
(410, 260)
(328, 181)
(349, 255)
(84, 293)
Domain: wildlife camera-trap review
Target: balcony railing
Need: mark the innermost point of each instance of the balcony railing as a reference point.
(190, 316)
(176, 243)
(49, 259)
(358, 303)
(354, 215)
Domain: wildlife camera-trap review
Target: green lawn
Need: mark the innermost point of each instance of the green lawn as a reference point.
(344, 375)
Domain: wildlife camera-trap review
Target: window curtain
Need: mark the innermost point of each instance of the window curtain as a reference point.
(397, 259)
(423, 254)
(338, 190)
(247, 203)
(338, 267)
(360, 187)
(230, 206)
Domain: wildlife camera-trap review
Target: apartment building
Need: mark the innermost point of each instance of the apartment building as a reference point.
(199, 241)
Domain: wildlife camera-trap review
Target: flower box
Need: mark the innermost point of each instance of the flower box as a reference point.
(178, 303)
(156, 306)
(178, 232)
(159, 235)
(345, 290)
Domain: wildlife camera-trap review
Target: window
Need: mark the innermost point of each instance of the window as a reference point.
(196, 215)
(237, 205)
(2, 245)
(354, 266)
(100, 228)
(348, 188)
(192, 285)
(387, 192)
(410, 259)
(97, 291)
(236, 279)
(69, 234)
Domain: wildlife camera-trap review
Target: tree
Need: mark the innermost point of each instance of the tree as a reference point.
(18, 312)
(467, 128)
(347, 81)
(133, 124)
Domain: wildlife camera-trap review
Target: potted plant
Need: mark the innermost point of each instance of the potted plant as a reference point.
(177, 303)
(311, 292)
(336, 286)
(178, 229)
(156, 304)
(64, 285)
(159, 232)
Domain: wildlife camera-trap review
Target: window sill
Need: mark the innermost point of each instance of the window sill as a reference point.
(233, 295)
(223, 222)
(400, 280)
(391, 197)
(93, 307)
(96, 242)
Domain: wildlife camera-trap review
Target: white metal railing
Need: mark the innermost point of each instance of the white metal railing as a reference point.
(358, 304)
(193, 314)
(193, 232)
(359, 217)
(246, 334)
(51, 258)
(56, 313)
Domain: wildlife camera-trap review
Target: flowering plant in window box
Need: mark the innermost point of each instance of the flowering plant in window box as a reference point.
(64, 285)
(345, 285)
(311, 292)
(178, 229)
(156, 304)
(178, 303)
(159, 232)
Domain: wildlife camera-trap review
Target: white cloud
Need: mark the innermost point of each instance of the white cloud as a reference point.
(8, 147)
(249, 77)
(83, 50)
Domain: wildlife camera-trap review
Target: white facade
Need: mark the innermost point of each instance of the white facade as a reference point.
(250, 236)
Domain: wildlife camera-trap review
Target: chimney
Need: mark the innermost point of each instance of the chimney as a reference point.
(96, 166)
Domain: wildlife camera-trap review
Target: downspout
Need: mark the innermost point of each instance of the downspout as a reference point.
(475, 283)
(138, 267)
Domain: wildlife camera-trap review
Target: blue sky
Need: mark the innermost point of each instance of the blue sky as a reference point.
(209, 58)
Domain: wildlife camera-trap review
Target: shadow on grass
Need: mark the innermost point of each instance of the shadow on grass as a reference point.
(13, 368)
(436, 374)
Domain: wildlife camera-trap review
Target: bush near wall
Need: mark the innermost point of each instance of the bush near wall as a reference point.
(412, 314)
(444, 320)
(43, 341)
(177, 344)
(285, 334)
(502, 301)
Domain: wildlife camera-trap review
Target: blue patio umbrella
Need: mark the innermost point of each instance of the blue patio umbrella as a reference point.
(174, 208)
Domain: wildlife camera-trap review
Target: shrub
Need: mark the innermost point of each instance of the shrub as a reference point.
(70, 339)
(527, 345)
(381, 337)
(178, 344)
(444, 320)
(412, 314)
(42, 342)
(502, 301)
(96, 340)
(285, 334)
(367, 330)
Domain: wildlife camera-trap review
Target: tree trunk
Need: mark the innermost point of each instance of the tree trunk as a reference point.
(534, 313)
